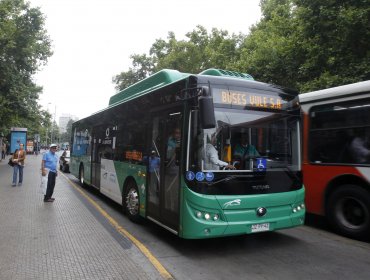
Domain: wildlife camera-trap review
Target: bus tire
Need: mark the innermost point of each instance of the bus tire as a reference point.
(131, 202)
(348, 211)
(81, 175)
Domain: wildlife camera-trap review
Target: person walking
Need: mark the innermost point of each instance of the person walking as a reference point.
(3, 153)
(18, 159)
(49, 168)
(1, 147)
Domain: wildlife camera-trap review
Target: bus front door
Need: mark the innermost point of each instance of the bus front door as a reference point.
(95, 165)
(164, 169)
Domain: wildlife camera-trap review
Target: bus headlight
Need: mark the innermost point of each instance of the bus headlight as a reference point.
(297, 208)
(208, 216)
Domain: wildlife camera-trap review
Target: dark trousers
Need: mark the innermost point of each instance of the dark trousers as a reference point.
(51, 184)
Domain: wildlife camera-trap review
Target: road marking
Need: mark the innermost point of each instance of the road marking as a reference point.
(160, 268)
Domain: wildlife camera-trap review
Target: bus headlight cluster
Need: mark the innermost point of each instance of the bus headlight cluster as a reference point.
(298, 208)
(207, 216)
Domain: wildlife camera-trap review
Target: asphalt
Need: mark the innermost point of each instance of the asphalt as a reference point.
(66, 239)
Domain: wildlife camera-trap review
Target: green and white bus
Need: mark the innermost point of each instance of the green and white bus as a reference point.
(149, 151)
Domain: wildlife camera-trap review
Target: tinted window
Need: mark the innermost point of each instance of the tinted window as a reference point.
(339, 133)
(130, 141)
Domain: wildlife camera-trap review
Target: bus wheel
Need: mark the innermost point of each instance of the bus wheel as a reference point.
(348, 211)
(132, 202)
(81, 175)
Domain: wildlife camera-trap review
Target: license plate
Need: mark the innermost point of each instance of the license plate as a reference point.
(260, 227)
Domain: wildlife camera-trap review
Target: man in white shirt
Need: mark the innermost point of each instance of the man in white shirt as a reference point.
(211, 160)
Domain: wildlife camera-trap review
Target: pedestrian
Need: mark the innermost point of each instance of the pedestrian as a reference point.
(18, 159)
(1, 148)
(49, 167)
(3, 153)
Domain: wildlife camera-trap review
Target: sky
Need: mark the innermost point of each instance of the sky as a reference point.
(92, 41)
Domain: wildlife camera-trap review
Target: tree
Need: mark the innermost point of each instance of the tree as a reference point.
(24, 47)
(335, 42)
(199, 51)
(301, 44)
(267, 52)
(309, 45)
(142, 68)
(66, 136)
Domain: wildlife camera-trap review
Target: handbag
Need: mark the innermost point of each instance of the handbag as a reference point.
(44, 182)
(11, 163)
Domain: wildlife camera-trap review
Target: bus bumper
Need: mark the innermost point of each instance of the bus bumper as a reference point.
(282, 210)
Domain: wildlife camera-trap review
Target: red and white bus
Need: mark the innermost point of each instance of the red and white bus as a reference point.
(336, 156)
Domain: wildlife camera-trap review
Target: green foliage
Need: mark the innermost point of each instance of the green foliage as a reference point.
(309, 45)
(66, 136)
(302, 44)
(24, 47)
(199, 51)
(142, 68)
(268, 52)
(335, 42)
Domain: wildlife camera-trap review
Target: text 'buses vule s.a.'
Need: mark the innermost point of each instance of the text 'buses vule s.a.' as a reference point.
(207, 155)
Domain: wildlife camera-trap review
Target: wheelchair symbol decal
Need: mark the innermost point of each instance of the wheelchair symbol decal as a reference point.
(261, 164)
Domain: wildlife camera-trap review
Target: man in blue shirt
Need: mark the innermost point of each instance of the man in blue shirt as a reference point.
(49, 168)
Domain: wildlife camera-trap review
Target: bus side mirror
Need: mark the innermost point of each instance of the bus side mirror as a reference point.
(207, 110)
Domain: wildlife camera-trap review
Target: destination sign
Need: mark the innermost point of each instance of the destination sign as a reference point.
(248, 99)
(134, 155)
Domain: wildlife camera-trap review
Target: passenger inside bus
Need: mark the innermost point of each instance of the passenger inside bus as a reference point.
(153, 162)
(172, 169)
(173, 143)
(359, 148)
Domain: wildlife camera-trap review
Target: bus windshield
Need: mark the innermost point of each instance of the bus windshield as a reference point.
(258, 145)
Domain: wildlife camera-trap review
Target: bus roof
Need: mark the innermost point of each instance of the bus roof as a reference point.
(335, 92)
(164, 78)
(228, 73)
(156, 81)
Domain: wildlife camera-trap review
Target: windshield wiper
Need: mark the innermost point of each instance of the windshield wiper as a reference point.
(227, 179)
(291, 174)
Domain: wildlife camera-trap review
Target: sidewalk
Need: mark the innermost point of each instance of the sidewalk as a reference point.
(66, 239)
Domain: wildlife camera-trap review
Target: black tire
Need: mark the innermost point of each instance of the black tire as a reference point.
(131, 202)
(348, 211)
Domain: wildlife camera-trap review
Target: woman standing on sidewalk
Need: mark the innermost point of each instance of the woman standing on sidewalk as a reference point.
(18, 159)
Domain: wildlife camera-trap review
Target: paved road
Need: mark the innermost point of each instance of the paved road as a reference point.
(306, 252)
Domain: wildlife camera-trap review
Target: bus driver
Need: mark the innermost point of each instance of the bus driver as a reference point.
(212, 162)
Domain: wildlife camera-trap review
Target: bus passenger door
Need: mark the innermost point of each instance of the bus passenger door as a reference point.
(164, 185)
(95, 164)
(154, 159)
